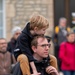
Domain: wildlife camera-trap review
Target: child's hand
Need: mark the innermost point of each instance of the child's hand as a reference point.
(34, 69)
(51, 70)
(36, 74)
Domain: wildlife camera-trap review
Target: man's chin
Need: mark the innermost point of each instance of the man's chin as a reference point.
(45, 56)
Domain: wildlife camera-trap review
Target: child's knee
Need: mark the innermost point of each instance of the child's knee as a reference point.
(22, 57)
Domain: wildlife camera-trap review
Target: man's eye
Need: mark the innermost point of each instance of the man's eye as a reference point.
(43, 45)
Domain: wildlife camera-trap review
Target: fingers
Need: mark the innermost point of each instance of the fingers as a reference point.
(50, 69)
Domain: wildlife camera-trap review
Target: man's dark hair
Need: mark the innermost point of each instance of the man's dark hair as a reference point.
(35, 40)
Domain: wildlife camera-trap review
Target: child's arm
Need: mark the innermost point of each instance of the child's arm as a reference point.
(34, 68)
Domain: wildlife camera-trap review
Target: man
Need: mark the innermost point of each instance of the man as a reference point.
(6, 59)
(40, 47)
(44, 64)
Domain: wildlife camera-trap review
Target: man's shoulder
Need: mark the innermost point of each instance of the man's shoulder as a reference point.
(52, 57)
(53, 61)
(56, 29)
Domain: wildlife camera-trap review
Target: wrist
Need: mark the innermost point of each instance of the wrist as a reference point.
(34, 71)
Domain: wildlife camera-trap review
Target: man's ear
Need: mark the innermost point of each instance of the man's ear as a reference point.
(34, 49)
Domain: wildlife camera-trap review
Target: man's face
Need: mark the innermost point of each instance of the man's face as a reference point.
(42, 48)
(3, 45)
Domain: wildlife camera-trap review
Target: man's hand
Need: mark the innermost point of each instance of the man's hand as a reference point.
(51, 70)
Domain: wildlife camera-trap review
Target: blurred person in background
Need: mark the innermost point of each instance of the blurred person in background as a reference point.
(6, 58)
(16, 31)
(59, 36)
(67, 54)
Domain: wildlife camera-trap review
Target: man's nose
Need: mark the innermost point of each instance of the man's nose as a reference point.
(47, 47)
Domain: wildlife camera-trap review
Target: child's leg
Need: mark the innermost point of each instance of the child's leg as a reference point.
(53, 61)
(24, 64)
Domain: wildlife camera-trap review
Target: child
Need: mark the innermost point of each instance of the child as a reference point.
(36, 26)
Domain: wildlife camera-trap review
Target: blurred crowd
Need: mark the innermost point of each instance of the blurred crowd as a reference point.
(7, 59)
(64, 47)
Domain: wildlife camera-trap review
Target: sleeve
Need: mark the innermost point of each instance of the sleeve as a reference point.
(62, 53)
(24, 46)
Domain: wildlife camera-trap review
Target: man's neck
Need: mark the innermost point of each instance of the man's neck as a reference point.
(37, 57)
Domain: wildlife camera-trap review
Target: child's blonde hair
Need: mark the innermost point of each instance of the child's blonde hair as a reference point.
(38, 21)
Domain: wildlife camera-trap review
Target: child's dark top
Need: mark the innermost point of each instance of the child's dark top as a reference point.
(11, 45)
(23, 45)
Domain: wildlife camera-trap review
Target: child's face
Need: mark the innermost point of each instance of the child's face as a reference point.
(41, 31)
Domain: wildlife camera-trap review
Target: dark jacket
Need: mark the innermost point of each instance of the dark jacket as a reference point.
(23, 45)
(17, 69)
(41, 65)
(11, 45)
